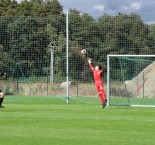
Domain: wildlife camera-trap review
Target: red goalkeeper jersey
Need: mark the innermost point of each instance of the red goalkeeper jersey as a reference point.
(96, 73)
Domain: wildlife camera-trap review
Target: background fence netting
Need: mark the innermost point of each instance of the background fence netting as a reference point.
(132, 79)
(33, 50)
(26, 45)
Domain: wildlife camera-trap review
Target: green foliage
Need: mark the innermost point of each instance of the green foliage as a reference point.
(8, 7)
(53, 7)
(30, 8)
(4, 59)
(25, 36)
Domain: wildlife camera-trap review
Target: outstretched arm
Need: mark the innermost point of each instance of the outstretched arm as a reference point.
(89, 60)
(90, 64)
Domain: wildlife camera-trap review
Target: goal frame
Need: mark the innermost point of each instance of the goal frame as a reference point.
(108, 74)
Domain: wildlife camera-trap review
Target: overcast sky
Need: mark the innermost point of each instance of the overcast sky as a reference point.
(112, 7)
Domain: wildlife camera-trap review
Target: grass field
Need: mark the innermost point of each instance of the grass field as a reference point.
(50, 121)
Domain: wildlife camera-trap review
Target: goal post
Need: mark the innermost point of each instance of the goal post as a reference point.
(130, 80)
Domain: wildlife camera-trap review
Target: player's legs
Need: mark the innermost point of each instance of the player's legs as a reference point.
(103, 92)
(1, 98)
(100, 94)
(100, 89)
(104, 96)
(101, 97)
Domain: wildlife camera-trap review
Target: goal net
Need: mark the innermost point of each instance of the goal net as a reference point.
(130, 80)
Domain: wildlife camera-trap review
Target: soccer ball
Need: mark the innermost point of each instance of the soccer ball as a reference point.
(83, 51)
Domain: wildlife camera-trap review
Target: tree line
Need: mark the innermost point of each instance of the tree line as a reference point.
(27, 28)
(30, 8)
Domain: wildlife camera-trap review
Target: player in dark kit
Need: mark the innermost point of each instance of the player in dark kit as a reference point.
(1, 99)
(97, 73)
(3, 76)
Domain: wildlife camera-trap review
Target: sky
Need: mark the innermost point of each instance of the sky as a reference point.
(112, 7)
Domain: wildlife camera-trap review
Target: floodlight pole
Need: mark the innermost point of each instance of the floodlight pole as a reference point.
(67, 45)
(108, 81)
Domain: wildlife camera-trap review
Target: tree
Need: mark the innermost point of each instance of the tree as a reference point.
(24, 8)
(4, 60)
(7, 7)
(28, 43)
(39, 8)
(151, 38)
(131, 32)
(74, 11)
(37, 1)
(53, 8)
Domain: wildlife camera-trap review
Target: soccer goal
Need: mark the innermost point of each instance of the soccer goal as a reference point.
(131, 80)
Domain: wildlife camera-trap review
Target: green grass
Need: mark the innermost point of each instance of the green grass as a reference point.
(50, 121)
(133, 101)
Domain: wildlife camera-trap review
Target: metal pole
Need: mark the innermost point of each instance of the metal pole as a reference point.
(143, 84)
(108, 81)
(67, 76)
(52, 46)
(17, 87)
(51, 69)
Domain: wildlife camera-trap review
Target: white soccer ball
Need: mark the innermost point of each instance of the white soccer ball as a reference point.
(83, 51)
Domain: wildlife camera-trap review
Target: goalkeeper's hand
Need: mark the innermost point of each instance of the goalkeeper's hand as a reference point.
(89, 60)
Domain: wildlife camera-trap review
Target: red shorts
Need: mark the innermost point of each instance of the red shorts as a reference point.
(98, 85)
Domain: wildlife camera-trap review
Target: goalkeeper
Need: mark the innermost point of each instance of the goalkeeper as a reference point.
(97, 73)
